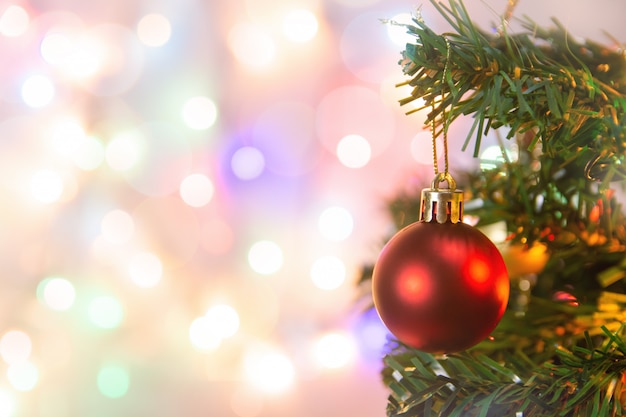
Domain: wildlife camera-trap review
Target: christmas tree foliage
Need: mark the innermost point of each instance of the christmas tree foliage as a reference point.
(560, 349)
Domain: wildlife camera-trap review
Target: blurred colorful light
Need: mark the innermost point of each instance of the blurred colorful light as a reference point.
(38, 91)
(145, 269)
(334, 350)
(55, 48)
(328, 272)
(268, 370)
(203, 335)
(113, 381)
(46, 186)
(285, 133)
(15, 347)
(105, 312)
(196, 190)
(123, 151)
(397, 32)
(109, 59)
(57, 293)
(224, 319)
(73, 50)
(300, 25)
(161, 158)
(365, 50)
(252, 45)
(14, 21)
(65, 135)
(265, 257)
(7, 403)
(89, 153)
(335, 223)
(117, 227)
(199, 113)
(154, 30)
(371, 334)
(247, 163)
(422, 148)
(220, 322)
(354, 151)
(361, 111)
(493, 156)
(23, 376)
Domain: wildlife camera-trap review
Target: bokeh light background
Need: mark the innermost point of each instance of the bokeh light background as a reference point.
(189, 189)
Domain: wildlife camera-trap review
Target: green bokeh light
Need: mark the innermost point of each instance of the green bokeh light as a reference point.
(105, 312)
(113, 381)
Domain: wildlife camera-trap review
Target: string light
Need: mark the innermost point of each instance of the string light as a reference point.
(154, 30)
(65, 135)
(493, 156)
(265, 257)
(105, 312)
(251, 45)
(113, 381)
(14, 21)
(123, 152)
(335, 223)
(220, 322)
(397, 32)
(202, 334)
(89, 153)
(55, 48)
(328, 272)
(247, 163)
(117, 227)
(145, 269)
(46, 186)
(224, 318)
(7, 403)
(15, 347)
(23, 376)
(196, 190)
(300, 25)
(38, 91)
(334, 350)
(57, 293)
(268, 370)
(199, 113)
(354, 151)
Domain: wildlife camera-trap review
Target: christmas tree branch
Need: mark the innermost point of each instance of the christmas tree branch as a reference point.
(584, 381)
(563, 353)
(539, 80)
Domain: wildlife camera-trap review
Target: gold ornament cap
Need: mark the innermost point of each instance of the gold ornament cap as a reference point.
(442, 204)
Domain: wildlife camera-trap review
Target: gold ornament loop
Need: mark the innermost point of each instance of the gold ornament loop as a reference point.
(443, 177)
(442, 205)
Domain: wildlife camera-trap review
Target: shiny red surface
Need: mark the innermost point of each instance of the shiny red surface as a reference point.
(440, 287)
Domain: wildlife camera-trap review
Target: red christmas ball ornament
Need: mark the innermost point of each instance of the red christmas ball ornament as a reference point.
(440, 285)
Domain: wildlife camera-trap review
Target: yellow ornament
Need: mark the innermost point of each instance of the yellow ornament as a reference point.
(522, 260)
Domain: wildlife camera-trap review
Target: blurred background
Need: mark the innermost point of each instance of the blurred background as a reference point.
(189, 190)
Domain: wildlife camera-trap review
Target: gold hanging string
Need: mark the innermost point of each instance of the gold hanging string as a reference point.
(510, 8)
(444, 128)
(433, 136)
(508, 14)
